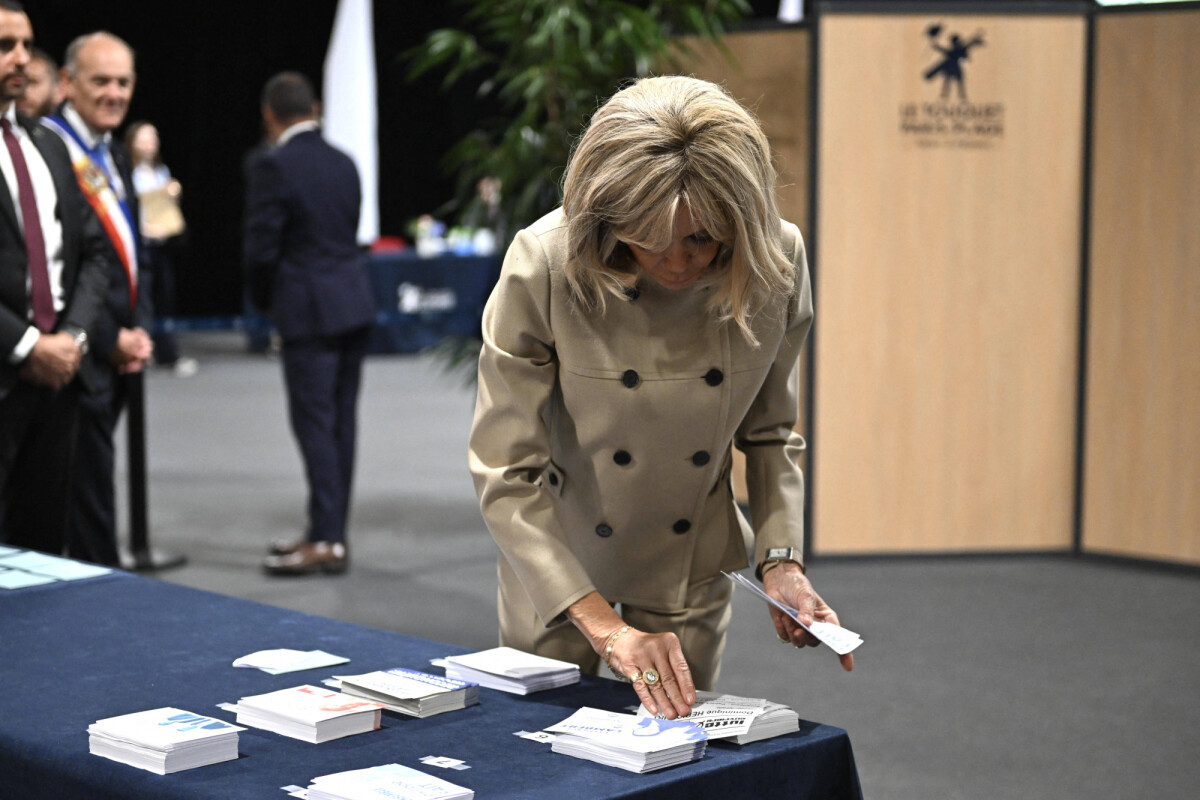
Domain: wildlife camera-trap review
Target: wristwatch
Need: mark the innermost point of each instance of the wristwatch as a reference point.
(777, 554)
(80, 336)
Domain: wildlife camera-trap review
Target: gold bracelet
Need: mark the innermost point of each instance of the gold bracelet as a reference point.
(612, 640)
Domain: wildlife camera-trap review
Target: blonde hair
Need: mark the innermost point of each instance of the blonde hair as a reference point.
(658, 143)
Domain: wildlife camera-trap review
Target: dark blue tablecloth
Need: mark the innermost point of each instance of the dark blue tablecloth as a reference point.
(71, 654)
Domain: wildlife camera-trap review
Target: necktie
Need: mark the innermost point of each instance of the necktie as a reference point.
(35, 246)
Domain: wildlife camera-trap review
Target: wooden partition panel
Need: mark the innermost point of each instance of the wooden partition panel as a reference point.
(947, 281)
(769, 75)
(1142, 444)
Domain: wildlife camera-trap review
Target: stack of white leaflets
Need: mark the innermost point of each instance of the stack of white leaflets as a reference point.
(408, 691)
(638, 744)
(164, 740)
(511, 670)
(739, 719)
(309, 713)
(387, 782)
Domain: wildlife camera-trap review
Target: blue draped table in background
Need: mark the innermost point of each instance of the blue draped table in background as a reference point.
(73, 653)
(418, 301)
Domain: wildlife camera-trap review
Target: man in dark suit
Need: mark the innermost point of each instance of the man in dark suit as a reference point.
(98, 77)
(306, 270)
(53, 258)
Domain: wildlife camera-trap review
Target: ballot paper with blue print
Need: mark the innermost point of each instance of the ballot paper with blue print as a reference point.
(739, 719)
(164, 740)
(637, 744)
(839, 639)
(385, 782)
(408, 691)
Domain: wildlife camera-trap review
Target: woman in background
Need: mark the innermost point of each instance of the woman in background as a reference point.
(162, 227)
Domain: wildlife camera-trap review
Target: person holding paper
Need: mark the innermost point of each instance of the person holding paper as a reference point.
(635, 336)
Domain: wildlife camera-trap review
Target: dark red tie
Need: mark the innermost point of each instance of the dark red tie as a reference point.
(35, 246)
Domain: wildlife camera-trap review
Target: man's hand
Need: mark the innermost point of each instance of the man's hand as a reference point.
(787, 584)
(53, 361)
(132, 351)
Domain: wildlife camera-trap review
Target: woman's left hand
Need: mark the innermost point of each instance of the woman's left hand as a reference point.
(788, 584)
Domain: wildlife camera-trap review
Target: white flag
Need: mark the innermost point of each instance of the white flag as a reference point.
(349, 103)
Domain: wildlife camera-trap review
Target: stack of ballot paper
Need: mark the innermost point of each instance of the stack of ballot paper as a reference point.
(739, 719)
(309, 713)
(387, 782)
(408, 691)
(638, 744)
(511, 670)
(164, 740)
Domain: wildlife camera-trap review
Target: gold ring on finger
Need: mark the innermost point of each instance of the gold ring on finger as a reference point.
(651, 677)
(635, 676)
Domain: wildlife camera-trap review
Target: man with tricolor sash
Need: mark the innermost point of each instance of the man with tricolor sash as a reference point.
(98, 78)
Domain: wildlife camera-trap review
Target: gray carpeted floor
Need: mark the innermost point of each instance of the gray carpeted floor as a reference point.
(994, 677)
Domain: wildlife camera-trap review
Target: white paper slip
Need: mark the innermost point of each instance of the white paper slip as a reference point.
(277, 662)
(63, 569)
(5, 550)
(19, 579)
(841, 640)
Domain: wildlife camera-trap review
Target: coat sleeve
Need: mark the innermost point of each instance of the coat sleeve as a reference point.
(266, 218)
(774, 480)
(510, 447)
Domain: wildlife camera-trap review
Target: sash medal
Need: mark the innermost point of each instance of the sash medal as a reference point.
(96, 185)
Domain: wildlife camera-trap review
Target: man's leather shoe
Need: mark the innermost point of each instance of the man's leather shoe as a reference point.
(309, 557)
(283, 547)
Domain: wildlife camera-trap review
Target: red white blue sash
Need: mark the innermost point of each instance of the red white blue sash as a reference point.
(94, 179)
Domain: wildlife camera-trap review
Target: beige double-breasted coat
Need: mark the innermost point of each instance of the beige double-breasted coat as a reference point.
(601, 442)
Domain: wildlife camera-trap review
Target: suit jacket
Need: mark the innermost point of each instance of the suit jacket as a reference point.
(85, 255)
(601, 442)
(300, 245)
(118, 312)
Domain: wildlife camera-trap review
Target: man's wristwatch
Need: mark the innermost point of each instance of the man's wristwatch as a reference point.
(80, 336)
(777, 554)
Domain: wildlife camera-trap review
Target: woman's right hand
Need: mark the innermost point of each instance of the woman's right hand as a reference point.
(630, 653)
(636, 654)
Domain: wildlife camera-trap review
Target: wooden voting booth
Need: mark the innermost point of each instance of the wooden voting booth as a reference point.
(1002, 205)
(1141, 465)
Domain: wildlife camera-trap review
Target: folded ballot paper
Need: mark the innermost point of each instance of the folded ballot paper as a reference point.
(511, 670)
(637, 744)
(739, 719)
(386, 782)
(309, 713)
(407, 691)
(841, 640)
(164, 740)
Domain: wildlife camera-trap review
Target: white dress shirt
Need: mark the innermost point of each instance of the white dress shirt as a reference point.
(47, 201)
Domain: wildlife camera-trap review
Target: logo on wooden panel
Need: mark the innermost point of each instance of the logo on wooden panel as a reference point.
(946, 117)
